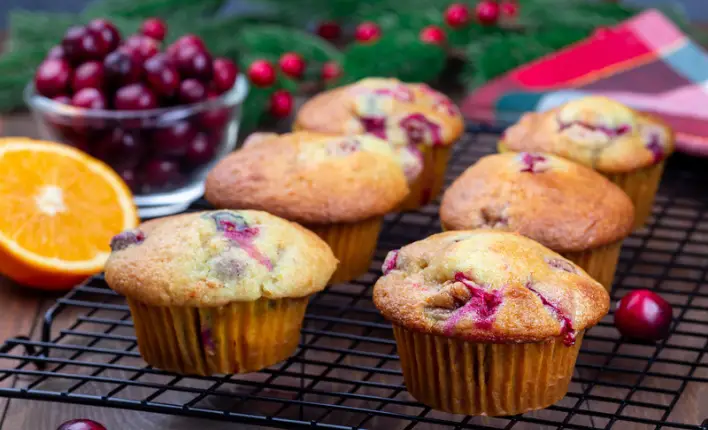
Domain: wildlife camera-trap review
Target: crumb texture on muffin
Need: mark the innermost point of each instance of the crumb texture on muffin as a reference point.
(217, 257)
(595, 131)
(402, 113)
(311, 178)
(563, 205)
(488, 286)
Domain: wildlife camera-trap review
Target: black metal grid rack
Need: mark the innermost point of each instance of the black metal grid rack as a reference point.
(346, 372)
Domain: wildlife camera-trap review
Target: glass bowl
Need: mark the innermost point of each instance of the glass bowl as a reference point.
(162, 154)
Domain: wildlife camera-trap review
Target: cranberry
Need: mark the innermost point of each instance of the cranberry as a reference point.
(81, 424)
(201, 150)
(141, 47)
(329, 30)
(88, 75)
(82, 45)
(193, 62)
(106, 32)
(457, 15)
(175, 139)
(292, 64)
(261, 73)
(56, 53)
(154, 28)
(121, 68)
(160, 173)
(331, 70)
(134, 97)
(643, 314)
(281, 104)
(192, 91)
(214, 119)
(120, 148)
(89, 98)
(126, 239)
(190, 39)
(161, 75)
(130, 178)
(509, 9)
(225, 73)
(52, 77)
(433, 35)
(367, 32)
(487, 12)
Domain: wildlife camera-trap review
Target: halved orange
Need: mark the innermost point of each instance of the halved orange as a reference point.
(59, 209)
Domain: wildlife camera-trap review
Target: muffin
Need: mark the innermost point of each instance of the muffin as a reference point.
(487, 322)
(627, 146)
(564, 206)
(218, 292)
(340, 187)
(406, 115)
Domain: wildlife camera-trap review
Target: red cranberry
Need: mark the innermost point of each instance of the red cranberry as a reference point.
(134, 97)
(643, 314)
(106, 32)
(457, 15)
(292, 64)
(214, 119)
(281, 104)
(225, 74)
(261, 73)
(88, 75)
(120, 148)
(81, 424)
(82, 45)
(367, 32)
(154, 28)
(487, 12)
(130, 178)
(433, 35)
(121, 69)
(190, 39)
(89, 98)
(161, 75)
(174, 140)
(141, 46)
(160, 173)
(201, 150)
(52, 77)
(509, 9)
(329, 30)
(192, 91)
(193, 62)
(56, 53)
(331, 70)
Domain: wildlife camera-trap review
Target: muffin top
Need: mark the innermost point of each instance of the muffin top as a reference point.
(488, 286)
(311, 178)
(595, 131)
(214, 258)
(560, 204)
(401, 113)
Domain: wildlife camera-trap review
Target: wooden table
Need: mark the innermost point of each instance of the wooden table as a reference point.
(23, 308)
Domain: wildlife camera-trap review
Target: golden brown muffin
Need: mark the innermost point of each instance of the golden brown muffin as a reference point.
(565, 206)
(627, 146)
(338, 186)
(406, 115)
(198, 283)
(496, 307)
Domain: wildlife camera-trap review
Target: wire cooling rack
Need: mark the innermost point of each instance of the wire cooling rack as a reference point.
(346, 374)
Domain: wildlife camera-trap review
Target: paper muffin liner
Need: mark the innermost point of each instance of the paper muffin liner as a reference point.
(353, 244)
(470, 378)
(641, 186)
(600, 263)
(429, 184)
(240, 337)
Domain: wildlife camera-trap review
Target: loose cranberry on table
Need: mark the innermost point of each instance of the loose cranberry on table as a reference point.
(81, 45)
(261, 73)
(106, 32)
(193, 62)
(81, 424)
(89, 98)
(191, 91)
(292, 64)
(225, 74)
(643, 315)
(121, 68)
(154, 28)
(175, 139)
(52, 77)
(134, 97)
(161, 75)
(88, 75)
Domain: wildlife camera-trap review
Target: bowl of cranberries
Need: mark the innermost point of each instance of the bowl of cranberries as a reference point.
(159, 115)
